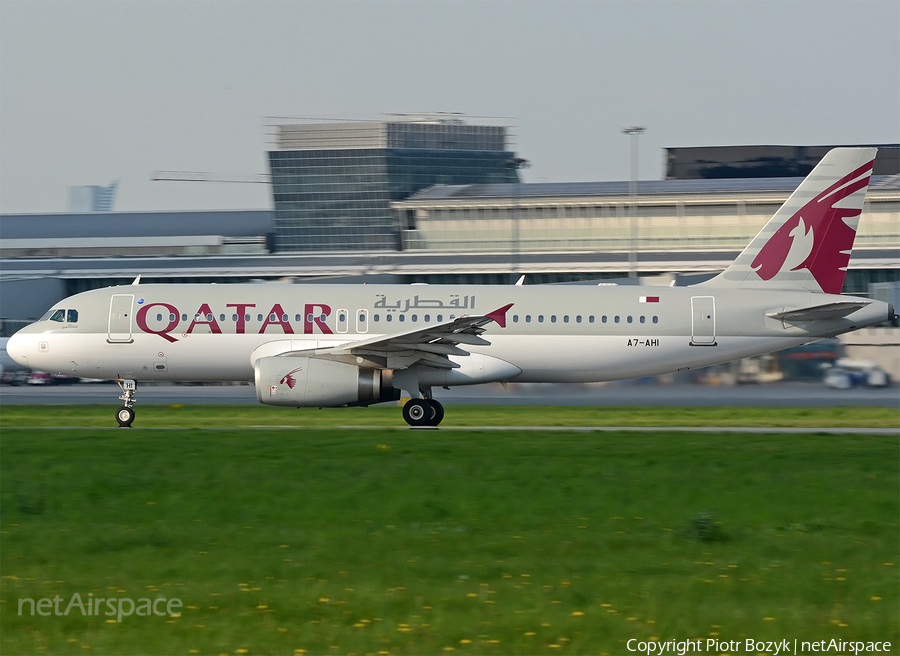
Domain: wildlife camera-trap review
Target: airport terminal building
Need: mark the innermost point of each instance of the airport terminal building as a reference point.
(435, 199)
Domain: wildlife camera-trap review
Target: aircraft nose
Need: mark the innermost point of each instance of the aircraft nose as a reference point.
(16, 347)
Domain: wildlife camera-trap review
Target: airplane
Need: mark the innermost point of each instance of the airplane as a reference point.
(347, 345)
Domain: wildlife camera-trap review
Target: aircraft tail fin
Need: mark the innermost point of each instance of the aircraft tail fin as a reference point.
(807, 243)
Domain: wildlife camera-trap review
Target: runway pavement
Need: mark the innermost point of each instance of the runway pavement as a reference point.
(772, 395)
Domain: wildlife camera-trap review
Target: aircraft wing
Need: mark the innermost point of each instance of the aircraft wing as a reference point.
(819, 312)
(430, 345)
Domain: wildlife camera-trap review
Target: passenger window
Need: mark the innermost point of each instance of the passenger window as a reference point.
(72, 316)
(655, 319)
(591, 319)
(59, 315)
(361, 323)
(578, 319)
(427, 317)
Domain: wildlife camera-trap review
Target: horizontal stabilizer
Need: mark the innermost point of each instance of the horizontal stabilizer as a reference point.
(819, 312)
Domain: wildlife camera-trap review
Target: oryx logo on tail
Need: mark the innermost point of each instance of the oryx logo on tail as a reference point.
(817, 237)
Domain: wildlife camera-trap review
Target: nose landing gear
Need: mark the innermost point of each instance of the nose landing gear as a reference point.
(125, 414)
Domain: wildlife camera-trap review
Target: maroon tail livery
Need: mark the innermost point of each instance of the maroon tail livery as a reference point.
(807, 243)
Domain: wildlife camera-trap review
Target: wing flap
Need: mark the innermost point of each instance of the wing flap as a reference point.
(430, 345)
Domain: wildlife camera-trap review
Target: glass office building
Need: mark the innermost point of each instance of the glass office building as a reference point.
(334, 183)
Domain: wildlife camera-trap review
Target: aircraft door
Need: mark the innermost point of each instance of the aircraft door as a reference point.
(120, 306)
(362, 321)
(703, 321)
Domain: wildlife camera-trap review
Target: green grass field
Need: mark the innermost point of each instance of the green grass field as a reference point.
(368, 541)
(388, 415)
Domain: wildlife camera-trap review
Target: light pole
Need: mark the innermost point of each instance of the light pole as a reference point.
(516, 164)
(635, 131)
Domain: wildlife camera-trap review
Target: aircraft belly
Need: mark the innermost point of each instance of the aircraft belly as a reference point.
(146, 357)
(592, 358)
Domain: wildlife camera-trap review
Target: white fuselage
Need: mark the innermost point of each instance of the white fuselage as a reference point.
(552, 333)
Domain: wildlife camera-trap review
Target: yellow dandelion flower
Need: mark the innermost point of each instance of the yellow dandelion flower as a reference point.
(843, 624)
(472, 595)
(875, 598)
(554, 646)
(241, 651)
(465, 641)
(299, 652)
(577, 613)
(449, 648)
(530, 633)
(110, 621)
(768, 619)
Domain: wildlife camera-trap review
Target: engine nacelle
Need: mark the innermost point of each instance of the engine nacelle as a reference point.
(315, 382)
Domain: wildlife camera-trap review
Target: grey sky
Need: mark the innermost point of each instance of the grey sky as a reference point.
(96, 91)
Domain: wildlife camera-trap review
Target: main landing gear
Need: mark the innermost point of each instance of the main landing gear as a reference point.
(423, 412)
(125, 414)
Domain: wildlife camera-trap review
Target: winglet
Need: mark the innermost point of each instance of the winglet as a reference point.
(499, 315)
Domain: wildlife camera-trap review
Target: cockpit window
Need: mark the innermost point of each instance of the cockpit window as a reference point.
(72, 316)
(58, 315)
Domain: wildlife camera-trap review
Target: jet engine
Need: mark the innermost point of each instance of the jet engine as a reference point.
(316, 382)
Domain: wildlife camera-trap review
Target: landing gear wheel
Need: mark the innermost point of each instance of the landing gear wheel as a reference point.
(125, 416)
(438, 410)
(418, 412)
